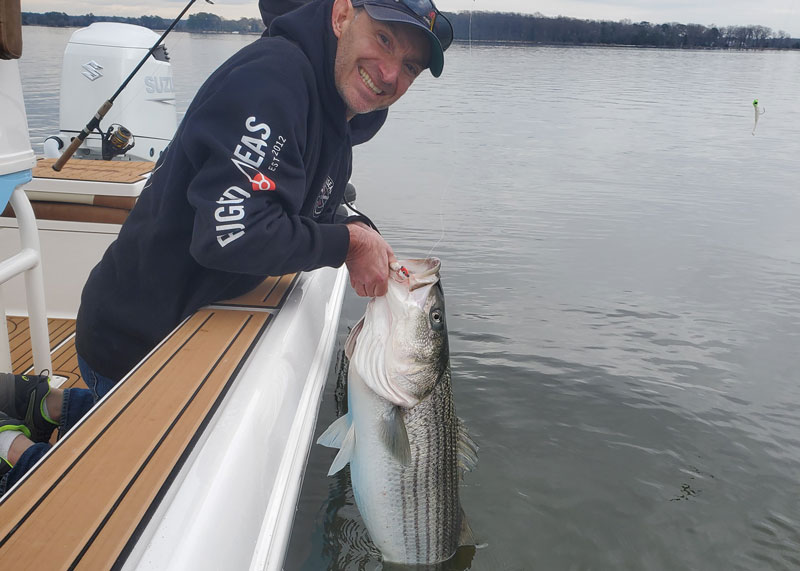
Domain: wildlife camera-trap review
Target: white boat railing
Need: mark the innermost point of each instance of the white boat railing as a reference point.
(27, 261)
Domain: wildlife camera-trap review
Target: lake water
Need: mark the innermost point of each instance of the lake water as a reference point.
(621, 260)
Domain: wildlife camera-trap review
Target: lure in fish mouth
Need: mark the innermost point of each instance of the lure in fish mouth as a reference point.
(417, 272)
(406, 448)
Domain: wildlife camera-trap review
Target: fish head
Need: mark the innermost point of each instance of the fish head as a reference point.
(402, 350)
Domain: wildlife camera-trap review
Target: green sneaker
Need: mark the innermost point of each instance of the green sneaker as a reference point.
(24, 397)
(8, 423)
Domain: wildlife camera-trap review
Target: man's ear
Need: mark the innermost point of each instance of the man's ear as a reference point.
(340, 16)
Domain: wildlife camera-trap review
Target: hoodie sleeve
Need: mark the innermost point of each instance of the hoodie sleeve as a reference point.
(248, 140)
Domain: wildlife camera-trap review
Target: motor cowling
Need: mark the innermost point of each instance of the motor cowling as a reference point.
(97, 60)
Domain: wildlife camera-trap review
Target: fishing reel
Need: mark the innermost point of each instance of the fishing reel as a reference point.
(116, 141)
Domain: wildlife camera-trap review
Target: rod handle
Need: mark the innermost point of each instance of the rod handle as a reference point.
(78, 141)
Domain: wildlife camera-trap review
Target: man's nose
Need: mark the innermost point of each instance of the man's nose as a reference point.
(390, 70)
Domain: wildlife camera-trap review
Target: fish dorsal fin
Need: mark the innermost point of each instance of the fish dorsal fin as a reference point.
(345, 453)
(350, 344)
(334, 435)
(467, 450)
(394, 435)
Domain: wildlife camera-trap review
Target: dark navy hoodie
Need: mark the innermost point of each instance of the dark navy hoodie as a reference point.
(247, 188)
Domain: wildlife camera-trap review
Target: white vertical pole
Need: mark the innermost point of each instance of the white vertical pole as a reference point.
(5, 349)
(34, 281)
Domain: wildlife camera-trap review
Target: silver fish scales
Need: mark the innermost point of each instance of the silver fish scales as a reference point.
(432, 514)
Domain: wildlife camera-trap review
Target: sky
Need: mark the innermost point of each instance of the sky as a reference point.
(776, 14)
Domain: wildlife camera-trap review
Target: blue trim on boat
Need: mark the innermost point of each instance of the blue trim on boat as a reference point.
(10, 181)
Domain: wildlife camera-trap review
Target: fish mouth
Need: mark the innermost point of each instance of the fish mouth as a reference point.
(423, 267)
(419, 272)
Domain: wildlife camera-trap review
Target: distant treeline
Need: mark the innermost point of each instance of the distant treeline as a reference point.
(497, 27)
(200, 22)
(536, 28)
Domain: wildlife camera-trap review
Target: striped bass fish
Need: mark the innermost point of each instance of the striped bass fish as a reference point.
(406, 448)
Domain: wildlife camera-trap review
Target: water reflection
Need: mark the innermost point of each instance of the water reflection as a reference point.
(346, 545)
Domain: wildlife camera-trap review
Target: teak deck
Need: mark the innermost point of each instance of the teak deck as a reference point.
(107, 190)
(94, 171)
(268, 295)
(62, 344)
(104, 480)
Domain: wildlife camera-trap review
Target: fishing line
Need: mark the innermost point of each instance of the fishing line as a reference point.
(470, 26)
(94, 122)
(441, 202)
(180, 39)
(136, 92)
(137, 89)
(453, 140)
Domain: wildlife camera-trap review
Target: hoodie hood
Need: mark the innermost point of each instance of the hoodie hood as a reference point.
(302, 26)
(271, 9)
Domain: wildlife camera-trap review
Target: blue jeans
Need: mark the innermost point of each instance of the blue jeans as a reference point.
(75, 405)
(97, 383)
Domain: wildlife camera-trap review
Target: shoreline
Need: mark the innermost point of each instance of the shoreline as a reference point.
(491, 42)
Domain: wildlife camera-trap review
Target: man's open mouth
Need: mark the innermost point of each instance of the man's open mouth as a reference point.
(368, 81)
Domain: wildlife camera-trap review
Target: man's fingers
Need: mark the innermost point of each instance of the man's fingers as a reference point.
(368, 260)
(374, 289)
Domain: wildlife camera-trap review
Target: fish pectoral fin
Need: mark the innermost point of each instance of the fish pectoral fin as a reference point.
(345, 453)
(395, 436)
(467, 450)
(334, 435)
(350, 344)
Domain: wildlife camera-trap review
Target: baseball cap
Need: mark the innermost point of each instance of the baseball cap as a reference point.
(420, 13)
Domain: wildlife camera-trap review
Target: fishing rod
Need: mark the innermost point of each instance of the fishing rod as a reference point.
(105, 107)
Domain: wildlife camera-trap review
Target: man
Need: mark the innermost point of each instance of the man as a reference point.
(362, 127)
(248, 188)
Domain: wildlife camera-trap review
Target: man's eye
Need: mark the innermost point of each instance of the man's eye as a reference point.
(412, 69)
(384, 39)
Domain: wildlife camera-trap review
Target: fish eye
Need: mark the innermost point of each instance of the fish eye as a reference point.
(437, 318)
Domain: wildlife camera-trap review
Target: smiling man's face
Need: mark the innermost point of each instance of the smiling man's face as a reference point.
(376, 61)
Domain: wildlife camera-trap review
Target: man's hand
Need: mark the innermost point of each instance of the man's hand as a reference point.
(368, 260)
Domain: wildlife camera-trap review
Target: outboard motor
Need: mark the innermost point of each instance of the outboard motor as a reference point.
(143, 119)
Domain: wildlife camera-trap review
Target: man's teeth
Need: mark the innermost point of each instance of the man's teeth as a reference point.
(368, 80)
